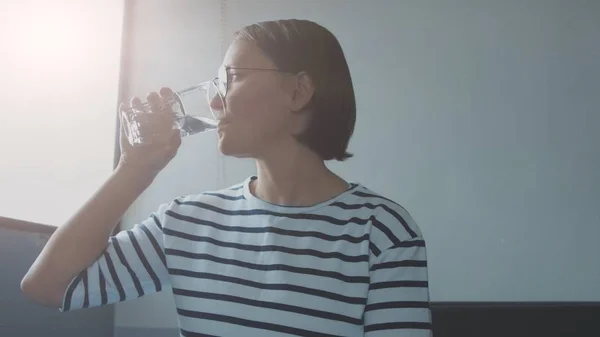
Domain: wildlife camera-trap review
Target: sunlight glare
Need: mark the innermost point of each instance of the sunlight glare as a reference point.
(59, 84)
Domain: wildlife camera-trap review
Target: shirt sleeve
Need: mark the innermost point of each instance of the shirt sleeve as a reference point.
(132, 265)
(398, 297)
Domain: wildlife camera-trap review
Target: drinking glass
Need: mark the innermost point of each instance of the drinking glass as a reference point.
(191, 107)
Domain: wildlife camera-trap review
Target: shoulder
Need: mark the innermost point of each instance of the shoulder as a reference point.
(225, 198)
(391, 224)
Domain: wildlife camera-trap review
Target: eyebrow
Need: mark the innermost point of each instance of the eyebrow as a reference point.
(252, 68)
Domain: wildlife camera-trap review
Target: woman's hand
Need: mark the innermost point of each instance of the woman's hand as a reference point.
(162, 141)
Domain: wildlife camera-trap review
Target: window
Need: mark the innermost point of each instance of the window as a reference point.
(59, 82)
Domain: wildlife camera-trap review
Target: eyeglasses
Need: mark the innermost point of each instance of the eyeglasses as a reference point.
(223, 76)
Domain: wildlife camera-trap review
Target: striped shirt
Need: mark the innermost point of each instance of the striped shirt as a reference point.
(352, 266)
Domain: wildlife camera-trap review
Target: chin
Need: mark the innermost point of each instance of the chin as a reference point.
(229, 149)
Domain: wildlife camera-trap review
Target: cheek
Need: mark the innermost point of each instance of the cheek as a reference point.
(258, 107)
(257, 118)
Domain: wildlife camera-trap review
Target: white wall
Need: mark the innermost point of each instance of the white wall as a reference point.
(480, 117)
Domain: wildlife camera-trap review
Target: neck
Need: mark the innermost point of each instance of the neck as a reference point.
(296, 177)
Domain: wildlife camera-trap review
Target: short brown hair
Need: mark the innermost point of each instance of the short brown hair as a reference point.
(301, 45)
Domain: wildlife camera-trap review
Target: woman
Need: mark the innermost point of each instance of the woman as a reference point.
(294, 250)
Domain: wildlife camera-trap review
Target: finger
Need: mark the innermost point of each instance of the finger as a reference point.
(139, 114)
(153, 125)
(135, 103)
(165, 91)
(155, 101)
(166, 95)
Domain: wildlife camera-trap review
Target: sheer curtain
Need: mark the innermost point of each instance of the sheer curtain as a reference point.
(59, 84)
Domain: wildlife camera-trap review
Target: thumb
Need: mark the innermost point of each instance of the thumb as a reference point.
(175, 140)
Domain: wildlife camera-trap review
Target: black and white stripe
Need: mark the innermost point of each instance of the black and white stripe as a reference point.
(355, 265)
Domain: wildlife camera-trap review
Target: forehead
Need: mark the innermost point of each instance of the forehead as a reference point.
(244, 53)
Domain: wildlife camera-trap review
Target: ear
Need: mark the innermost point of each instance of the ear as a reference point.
(303, 92)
